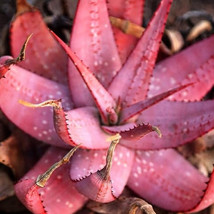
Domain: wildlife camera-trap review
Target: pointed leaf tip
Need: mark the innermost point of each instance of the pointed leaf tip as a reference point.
(5, 67)
(58, 195)
(43, 178)
(137, 132)
(51, 103)
(157, 130)
(139, 66)
(132, 110)
(115, 137)
(21, 56)
(103, 100)
(59, 117)
(100, 182)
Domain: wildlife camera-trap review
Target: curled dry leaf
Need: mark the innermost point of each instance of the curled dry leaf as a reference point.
(18, 152)
(124, 205)
(204, 161)
(176, 41)
(6, 184)
(209, 139)
(127, 26)
(10, 155)
(192, 148)
(199, 145)
(174, 37)
(201, 152)
(198, 29)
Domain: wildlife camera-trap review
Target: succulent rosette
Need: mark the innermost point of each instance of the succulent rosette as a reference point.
(103, 98)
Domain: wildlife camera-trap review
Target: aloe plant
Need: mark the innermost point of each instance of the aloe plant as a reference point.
(107, 103)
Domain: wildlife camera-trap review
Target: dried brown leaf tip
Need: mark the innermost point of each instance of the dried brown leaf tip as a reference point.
(22, 7)
(42, 179)
(124, 205)
(198, 29)
(21, 55)
(5, 66)
(127, 27)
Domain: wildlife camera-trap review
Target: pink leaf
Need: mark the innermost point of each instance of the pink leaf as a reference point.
(83, 125)
(20, 84)
(42, 50)
(85, 162)
(119, 128)
(102, 98)
(130, 131)
(129, 10)
(76, 127)
(195, 64)
(133, 110)
(165, 179)
(28, 194)
(88, 41)
(103, 190)
(131, 83)
(178, 122)
(51, 198)
(208, 197)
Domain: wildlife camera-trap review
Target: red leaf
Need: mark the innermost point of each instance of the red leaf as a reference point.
(4, 66)
(133, 110)
(102, 98)
(20, 84)
(42, 50)
(83, 125)
(166, 174)
(179, 123)
(85, 162)
(194, 64)
(130, 131)
(27, 192)
(129, 10)
(76, 127)
(101, 189)
(88, 41)
(131, 83)
(59, 194)
(208, 197)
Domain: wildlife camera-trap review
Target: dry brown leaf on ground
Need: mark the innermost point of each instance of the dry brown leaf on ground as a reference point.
(124, 205)
(209, 139)
(6, 184)
(204, 161)
(11, 155)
